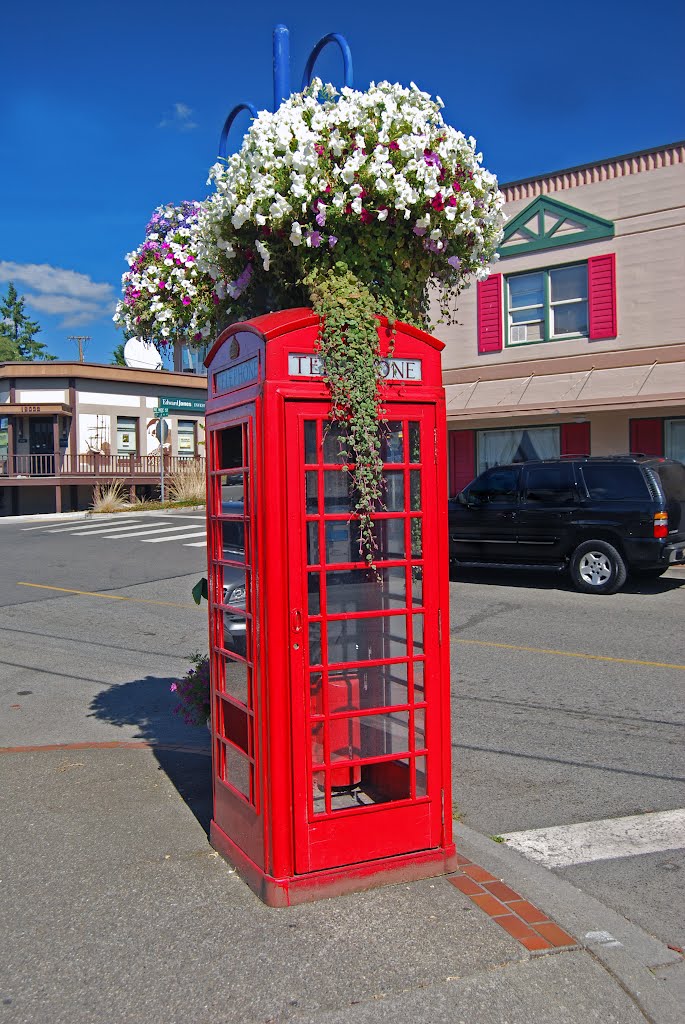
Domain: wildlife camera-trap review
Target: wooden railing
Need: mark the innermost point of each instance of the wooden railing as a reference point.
(91, 465)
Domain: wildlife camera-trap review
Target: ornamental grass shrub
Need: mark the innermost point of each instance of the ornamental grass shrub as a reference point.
(109, 497)
(188, 483)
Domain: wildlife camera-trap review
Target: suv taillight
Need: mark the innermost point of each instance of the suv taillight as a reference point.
(661, 524)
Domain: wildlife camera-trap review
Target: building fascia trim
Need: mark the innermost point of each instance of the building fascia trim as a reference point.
(97, 371)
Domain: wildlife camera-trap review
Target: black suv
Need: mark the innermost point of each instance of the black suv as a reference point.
(598, 517)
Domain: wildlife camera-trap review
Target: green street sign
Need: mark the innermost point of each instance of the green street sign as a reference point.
(196, 405)
(161, 410)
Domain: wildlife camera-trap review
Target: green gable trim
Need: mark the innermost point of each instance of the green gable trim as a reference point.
(546, 224)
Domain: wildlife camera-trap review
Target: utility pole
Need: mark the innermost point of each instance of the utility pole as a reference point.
(80, 339)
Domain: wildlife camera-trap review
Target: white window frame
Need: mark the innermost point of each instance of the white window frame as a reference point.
(546, 307)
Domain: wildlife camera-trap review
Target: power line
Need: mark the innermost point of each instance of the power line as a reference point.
(80, 339)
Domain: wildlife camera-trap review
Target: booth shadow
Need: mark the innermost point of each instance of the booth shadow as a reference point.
(545, 579)
(182, 751)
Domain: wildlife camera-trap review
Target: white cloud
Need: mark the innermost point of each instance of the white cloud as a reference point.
(66, 293)
(181, 119)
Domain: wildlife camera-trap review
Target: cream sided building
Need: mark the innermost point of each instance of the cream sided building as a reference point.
(576, 342)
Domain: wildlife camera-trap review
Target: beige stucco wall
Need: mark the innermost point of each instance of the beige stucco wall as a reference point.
(648, 211)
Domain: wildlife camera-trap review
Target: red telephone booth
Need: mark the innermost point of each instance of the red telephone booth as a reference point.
(330, 687)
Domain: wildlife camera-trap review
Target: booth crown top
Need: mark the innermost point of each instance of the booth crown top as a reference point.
(273, 325)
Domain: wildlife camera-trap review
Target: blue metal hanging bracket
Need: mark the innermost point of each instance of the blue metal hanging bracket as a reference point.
(281, 73)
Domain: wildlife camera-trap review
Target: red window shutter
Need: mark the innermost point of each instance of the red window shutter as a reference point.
(601, 285)
(490, 314)
(575, 438)
(647, 437)
(462, 459)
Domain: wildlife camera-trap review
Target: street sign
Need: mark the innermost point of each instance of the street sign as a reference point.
(196, 405)
(161, 410)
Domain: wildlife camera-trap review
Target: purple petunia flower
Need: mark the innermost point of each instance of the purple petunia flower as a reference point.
(332, 241)
(455, 262)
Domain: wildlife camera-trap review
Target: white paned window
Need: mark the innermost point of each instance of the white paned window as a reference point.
(674, 439)
(127, 434)
(547, 305)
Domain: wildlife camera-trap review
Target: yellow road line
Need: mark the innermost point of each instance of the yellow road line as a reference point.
(107, 597)
(571, 654)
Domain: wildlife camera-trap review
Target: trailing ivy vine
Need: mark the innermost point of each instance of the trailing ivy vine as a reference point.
(349, 348)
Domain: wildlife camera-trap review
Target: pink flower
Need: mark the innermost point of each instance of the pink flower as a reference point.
(394, 145)
(185, 300)
(451, 201)
(456, 187)
(319, 149)
(366, 216)
(162, 284)
(173, 687)
(437, 202)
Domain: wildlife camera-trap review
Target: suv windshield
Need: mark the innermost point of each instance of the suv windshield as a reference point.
(615, 483)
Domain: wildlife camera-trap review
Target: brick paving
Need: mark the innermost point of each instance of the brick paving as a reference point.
(520, 918)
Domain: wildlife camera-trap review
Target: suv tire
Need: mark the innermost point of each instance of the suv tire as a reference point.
(597, 568)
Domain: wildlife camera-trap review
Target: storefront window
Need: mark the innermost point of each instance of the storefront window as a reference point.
(127, 434)
(186, 438)
(499, 447)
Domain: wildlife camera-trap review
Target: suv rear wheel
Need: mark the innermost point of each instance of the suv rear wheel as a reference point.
(597, 568)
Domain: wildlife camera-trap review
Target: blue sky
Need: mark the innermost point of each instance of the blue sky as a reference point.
(108, 110)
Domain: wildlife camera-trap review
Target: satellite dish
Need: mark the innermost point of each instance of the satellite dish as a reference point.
(141, 355)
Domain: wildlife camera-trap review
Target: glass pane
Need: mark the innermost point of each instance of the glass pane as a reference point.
(232, 493)
(526, 290)
(312, 493)
(358, 590)
(313, 594)
(314, 643)
(418, 681)
(383, 685)
(233, 540)
(392, 499)
(384, 734)
(230, 447)
(416, 529)
(420, 729)
(367, 639)
(526, 316)
(334, 438)
(342, 541)
(390, 538)
(234, 593)
(339, 495)
(310, 441)
(236, 679)
(313, 557)
(414, 441)
(319, 792)
(392, 448)
(238, 771)
(415, 490)
(418, 634)
(417, 585)
(568, 283)
(317, 732)
(235, 725)
(421, 779)
(570, 319)
(316, 693)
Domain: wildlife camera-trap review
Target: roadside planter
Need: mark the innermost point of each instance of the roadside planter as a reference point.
(330, 739)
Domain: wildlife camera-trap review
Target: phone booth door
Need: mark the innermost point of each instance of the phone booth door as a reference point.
(363, 649)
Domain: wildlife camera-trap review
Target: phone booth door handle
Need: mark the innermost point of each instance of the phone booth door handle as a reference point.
(296, 621)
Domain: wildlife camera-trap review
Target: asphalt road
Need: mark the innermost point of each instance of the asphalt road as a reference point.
(567, 708)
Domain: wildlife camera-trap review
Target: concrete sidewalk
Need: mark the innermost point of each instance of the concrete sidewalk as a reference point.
(115, 909)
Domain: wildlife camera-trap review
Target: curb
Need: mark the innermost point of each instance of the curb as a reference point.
(49, 517)
(629, 954)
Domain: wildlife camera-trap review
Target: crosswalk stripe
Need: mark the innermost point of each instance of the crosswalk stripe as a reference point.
(92, 527)
(606, 839)
(183, 536)
(105, 530)
(149, 531)
(197, 544)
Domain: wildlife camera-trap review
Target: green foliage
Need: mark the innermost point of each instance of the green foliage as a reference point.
(349, 348)
(18, 332)
(118, 356)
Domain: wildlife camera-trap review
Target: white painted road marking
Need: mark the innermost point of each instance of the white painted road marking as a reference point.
(104, 531)
(608, 839)
(93, 527)
(183, 536)
(199, 544)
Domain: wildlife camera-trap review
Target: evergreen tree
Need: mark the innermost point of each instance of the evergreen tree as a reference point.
(17, 331)
(118, 356)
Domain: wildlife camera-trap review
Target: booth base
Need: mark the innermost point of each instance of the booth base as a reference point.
(317, 885)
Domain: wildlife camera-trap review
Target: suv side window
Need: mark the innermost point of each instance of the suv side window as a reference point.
(498, 485)
(615, 483)
(549, 485)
